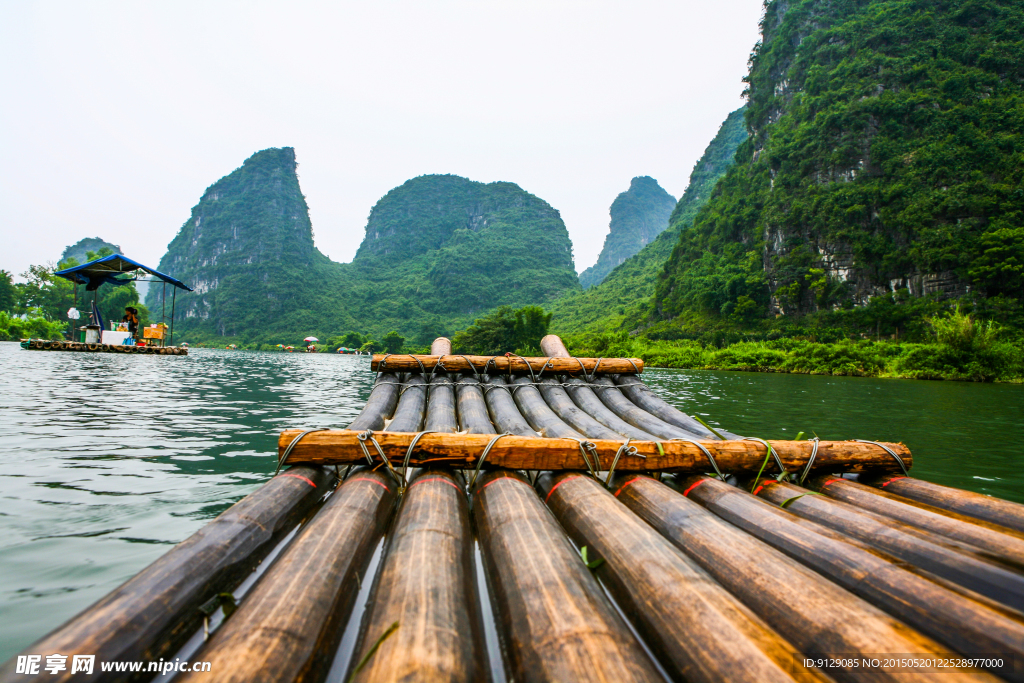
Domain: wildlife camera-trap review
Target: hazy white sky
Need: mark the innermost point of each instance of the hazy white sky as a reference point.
(115, 116)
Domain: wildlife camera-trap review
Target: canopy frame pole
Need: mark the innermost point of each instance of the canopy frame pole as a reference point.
(174, 293)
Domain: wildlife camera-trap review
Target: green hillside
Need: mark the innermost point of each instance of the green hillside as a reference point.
(638, 215)
(882, 176)
(624, 295)
(438, 251)
(79, 249)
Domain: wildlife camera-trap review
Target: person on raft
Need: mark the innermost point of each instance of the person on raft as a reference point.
(131, 316)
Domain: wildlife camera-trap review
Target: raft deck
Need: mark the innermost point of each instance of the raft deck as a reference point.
(61, 345)
(784, 567)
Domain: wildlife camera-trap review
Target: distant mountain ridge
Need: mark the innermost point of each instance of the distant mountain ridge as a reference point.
(78, 250)
(638, 215)
(625, 295)
(438, 250)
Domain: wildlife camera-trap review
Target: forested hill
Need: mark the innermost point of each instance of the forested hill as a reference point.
(883, 169)
(440, 246)
(638, 215)
(247, 250)
(625, 294)
(438, 250)
(79, 249)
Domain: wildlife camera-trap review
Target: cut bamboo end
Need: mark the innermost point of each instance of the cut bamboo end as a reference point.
(516, 365)
(339, 447)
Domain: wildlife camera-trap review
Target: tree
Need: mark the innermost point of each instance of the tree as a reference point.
(504, 330)
(8, 292)
(393, 342)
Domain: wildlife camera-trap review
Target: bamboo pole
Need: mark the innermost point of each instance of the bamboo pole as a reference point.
(341, 447)
(586, 398)
(473, 416)
(919, 548)
(154, 613)
(541, 418)
(612, 397)
(810, 611)
(441, 406)
(426, 585)
(506, 364)
(553, 618)
(442, 346)
(659, 588)
(969, 503)
(958, 622)
(503, 410)
(380, 405)
(994, 541)
(411, 407)
(645, 398)
(551, 345)
(563, 406)
(288, 627)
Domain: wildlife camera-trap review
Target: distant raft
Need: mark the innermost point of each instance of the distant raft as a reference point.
(60, 345)
(618, 539)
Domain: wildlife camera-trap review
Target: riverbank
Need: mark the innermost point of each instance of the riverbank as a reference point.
(994, 362)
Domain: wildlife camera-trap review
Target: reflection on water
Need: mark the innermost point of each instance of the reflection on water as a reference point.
(110, 459)
(961, 434)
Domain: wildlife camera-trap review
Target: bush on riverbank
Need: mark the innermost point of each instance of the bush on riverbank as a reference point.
(997, 361)
(13, 328)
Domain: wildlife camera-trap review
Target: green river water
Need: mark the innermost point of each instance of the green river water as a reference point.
(109, 460)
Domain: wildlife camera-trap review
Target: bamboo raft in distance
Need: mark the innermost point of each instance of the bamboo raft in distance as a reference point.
(741, 581)
(61, 345)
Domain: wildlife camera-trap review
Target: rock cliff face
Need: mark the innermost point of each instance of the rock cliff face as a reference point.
(247, 249)
(78, 250)
(638, 215)
(880, 160)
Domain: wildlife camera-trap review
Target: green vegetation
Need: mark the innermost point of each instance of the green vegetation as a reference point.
(624, 296)
(439, 250)
(13, 328)
(638, 215)
(958, 348)
(884, 163)
(504, 330)
(79, 251)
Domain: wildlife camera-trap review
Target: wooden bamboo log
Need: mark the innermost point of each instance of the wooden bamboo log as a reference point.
(960, 623)
(659, 589)
(473, 416)
(564, 407)
(919, 548)
(442, 346)
(810, 611)
(380, 405)
(504, 364)
(969, 503)
(586, 398)
(288, 627)
(441, 406)
(543, 420)
(645, 399)
(551, 345)
(503, 409)
(340, 447)
(412, 406)
(154, 613)
(612, 397)
(554, 621)
(993, 541)
(426, 585)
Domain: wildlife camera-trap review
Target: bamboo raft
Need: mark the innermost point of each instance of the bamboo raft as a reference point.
(599, 533)
(61, 345)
